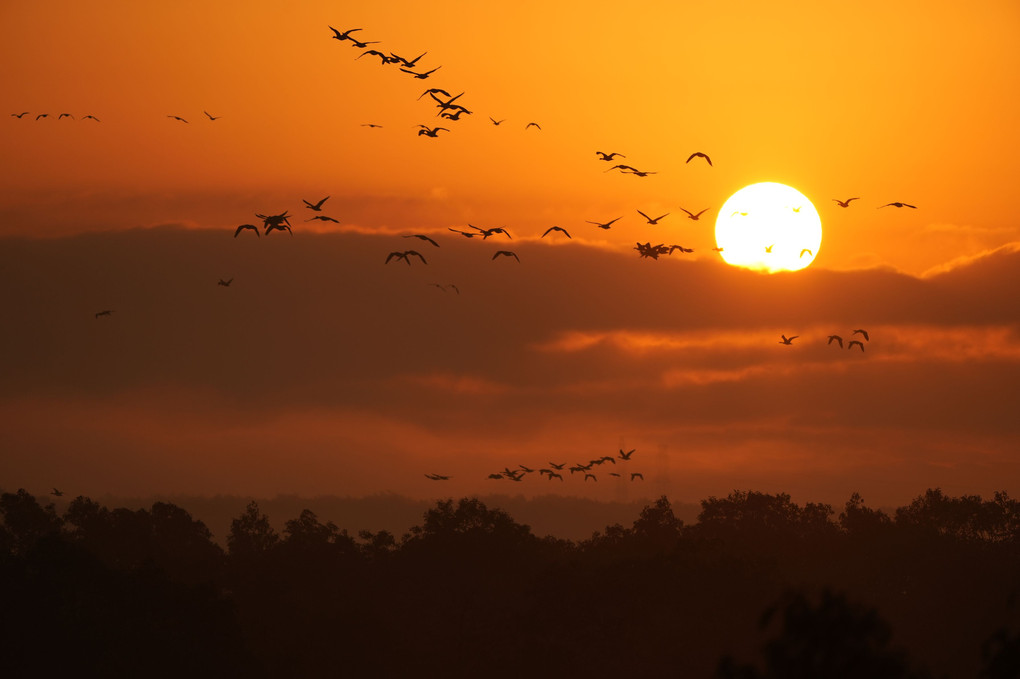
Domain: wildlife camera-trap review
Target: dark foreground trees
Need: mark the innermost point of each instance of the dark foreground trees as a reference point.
(470, 592)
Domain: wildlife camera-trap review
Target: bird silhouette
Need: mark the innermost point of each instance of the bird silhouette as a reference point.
(535, 125)
(698, 154)
(56, 492)
(278, 222)
(42, 115)
(406, 256)
(837, 338)
(247, 226)
(452, 116)
(857, 342)
(497, 122)
(358, 44)
(768, 248)
(91, 117)
(225, 283)
(314, 206)
(323, 218)
(385, 58)
(466, 234)
(507, 253)
(430, 131)
(590, 476)
(444, 287)
(178, 118)
(346, 35)
(104, 312)
(691, 215)
(609, 156)
(434, 91)
(651, 221)
(897, 205)
(637, 475)
(495, 476)
(556, 228)
(405, 62)
(370, 125)
(20, 115)
(488, 232)
(788, 340)
(626, 455)
(738, 212)
(807, 251)
(437, 477)
(423, 75)
(681, 248)
(861, 331)
(621, 168)
(65, 115)
(211, 116)
(845, 203)
(421, 236)
(604, 225)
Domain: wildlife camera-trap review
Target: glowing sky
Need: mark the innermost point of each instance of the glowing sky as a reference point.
(322, 370)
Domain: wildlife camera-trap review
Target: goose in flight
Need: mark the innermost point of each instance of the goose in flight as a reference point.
(626, 455)
(535, 125)
(370, 125)
(616, 474)
(498, 477)
(315, 206)
(488, 232)
(807, 251)
(323, 218)
(788, 340)
(621, 168)
(65, 115)
(835, 338)
(444, 287)
(466, 234)
(452, 116)
(19, 116)
(738, 212)
(362, 45)
(437, 477)
(845, 203)
(386, 59)
(41, 115)
(681, 248)
(639, 173)
(406, 256)
(507, 253)
(590, 476)
(56, 492)
(556, 228)
(555, 475)
(608, 156)
(211, 116)
(346, 35)
(768, 248)
(857, 342)
(405, 62)
(434, 91)
(225, 283)
(279, 222)
(178, 118)
(247, 226)
(604, 225)
(651, 221)
(691, 215)
(104, 312)
(557, 467)
(91, 117)
(699, 154)
(423, 75)
(897, 205)
(637, 475)
(861, 331)
(430, 131)
(497, 122)
(421, 236)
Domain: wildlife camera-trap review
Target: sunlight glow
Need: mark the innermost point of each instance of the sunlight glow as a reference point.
(768, 227)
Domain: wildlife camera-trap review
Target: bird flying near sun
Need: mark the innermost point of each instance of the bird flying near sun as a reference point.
(757, 228)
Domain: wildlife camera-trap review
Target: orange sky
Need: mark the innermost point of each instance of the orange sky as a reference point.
(582, 347)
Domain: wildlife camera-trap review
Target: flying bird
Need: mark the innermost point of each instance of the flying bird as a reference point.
(362, 45)
(436, 90)
(430, 131)
(225, 283)
(488, 232)
(56, 492)
(346, 35)
(315, 206)
(637, 475)
(507, 253)
(807, 251)
(421, 236)
(405, 62)
(604, 225)
(20, 115)
(91, 117)
(768, 248)
(386, 59)
(861, 331)
(845, 203)
(590, 476)
(104, 312)
(699, 154)
(211, 116)
(247, 226)
(496, 122)
(609, 156)
(65, 115)
(423, 75)
(178, 118)
(437, 477)
(41, 115)
(837, 338)
(466, 234)
(857, 342)
(691, 215)
(897, 205)
(626, 455)
(556, 228)
(788, 340)
(323, 218)
(651, 221)
(370, 125)
(406, 256)
(535, 125)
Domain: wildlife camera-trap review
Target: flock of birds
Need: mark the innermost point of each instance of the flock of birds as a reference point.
(555, 470)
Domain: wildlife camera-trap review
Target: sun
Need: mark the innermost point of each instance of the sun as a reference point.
(769, 227)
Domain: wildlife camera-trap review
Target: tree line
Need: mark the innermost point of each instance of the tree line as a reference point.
(758, 586)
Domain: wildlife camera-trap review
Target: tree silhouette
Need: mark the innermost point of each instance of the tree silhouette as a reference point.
(251, 534)
(26, 521)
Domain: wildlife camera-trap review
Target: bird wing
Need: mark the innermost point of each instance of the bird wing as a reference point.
(415, 253)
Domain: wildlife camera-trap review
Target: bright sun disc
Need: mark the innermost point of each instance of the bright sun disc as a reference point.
(769, 227)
